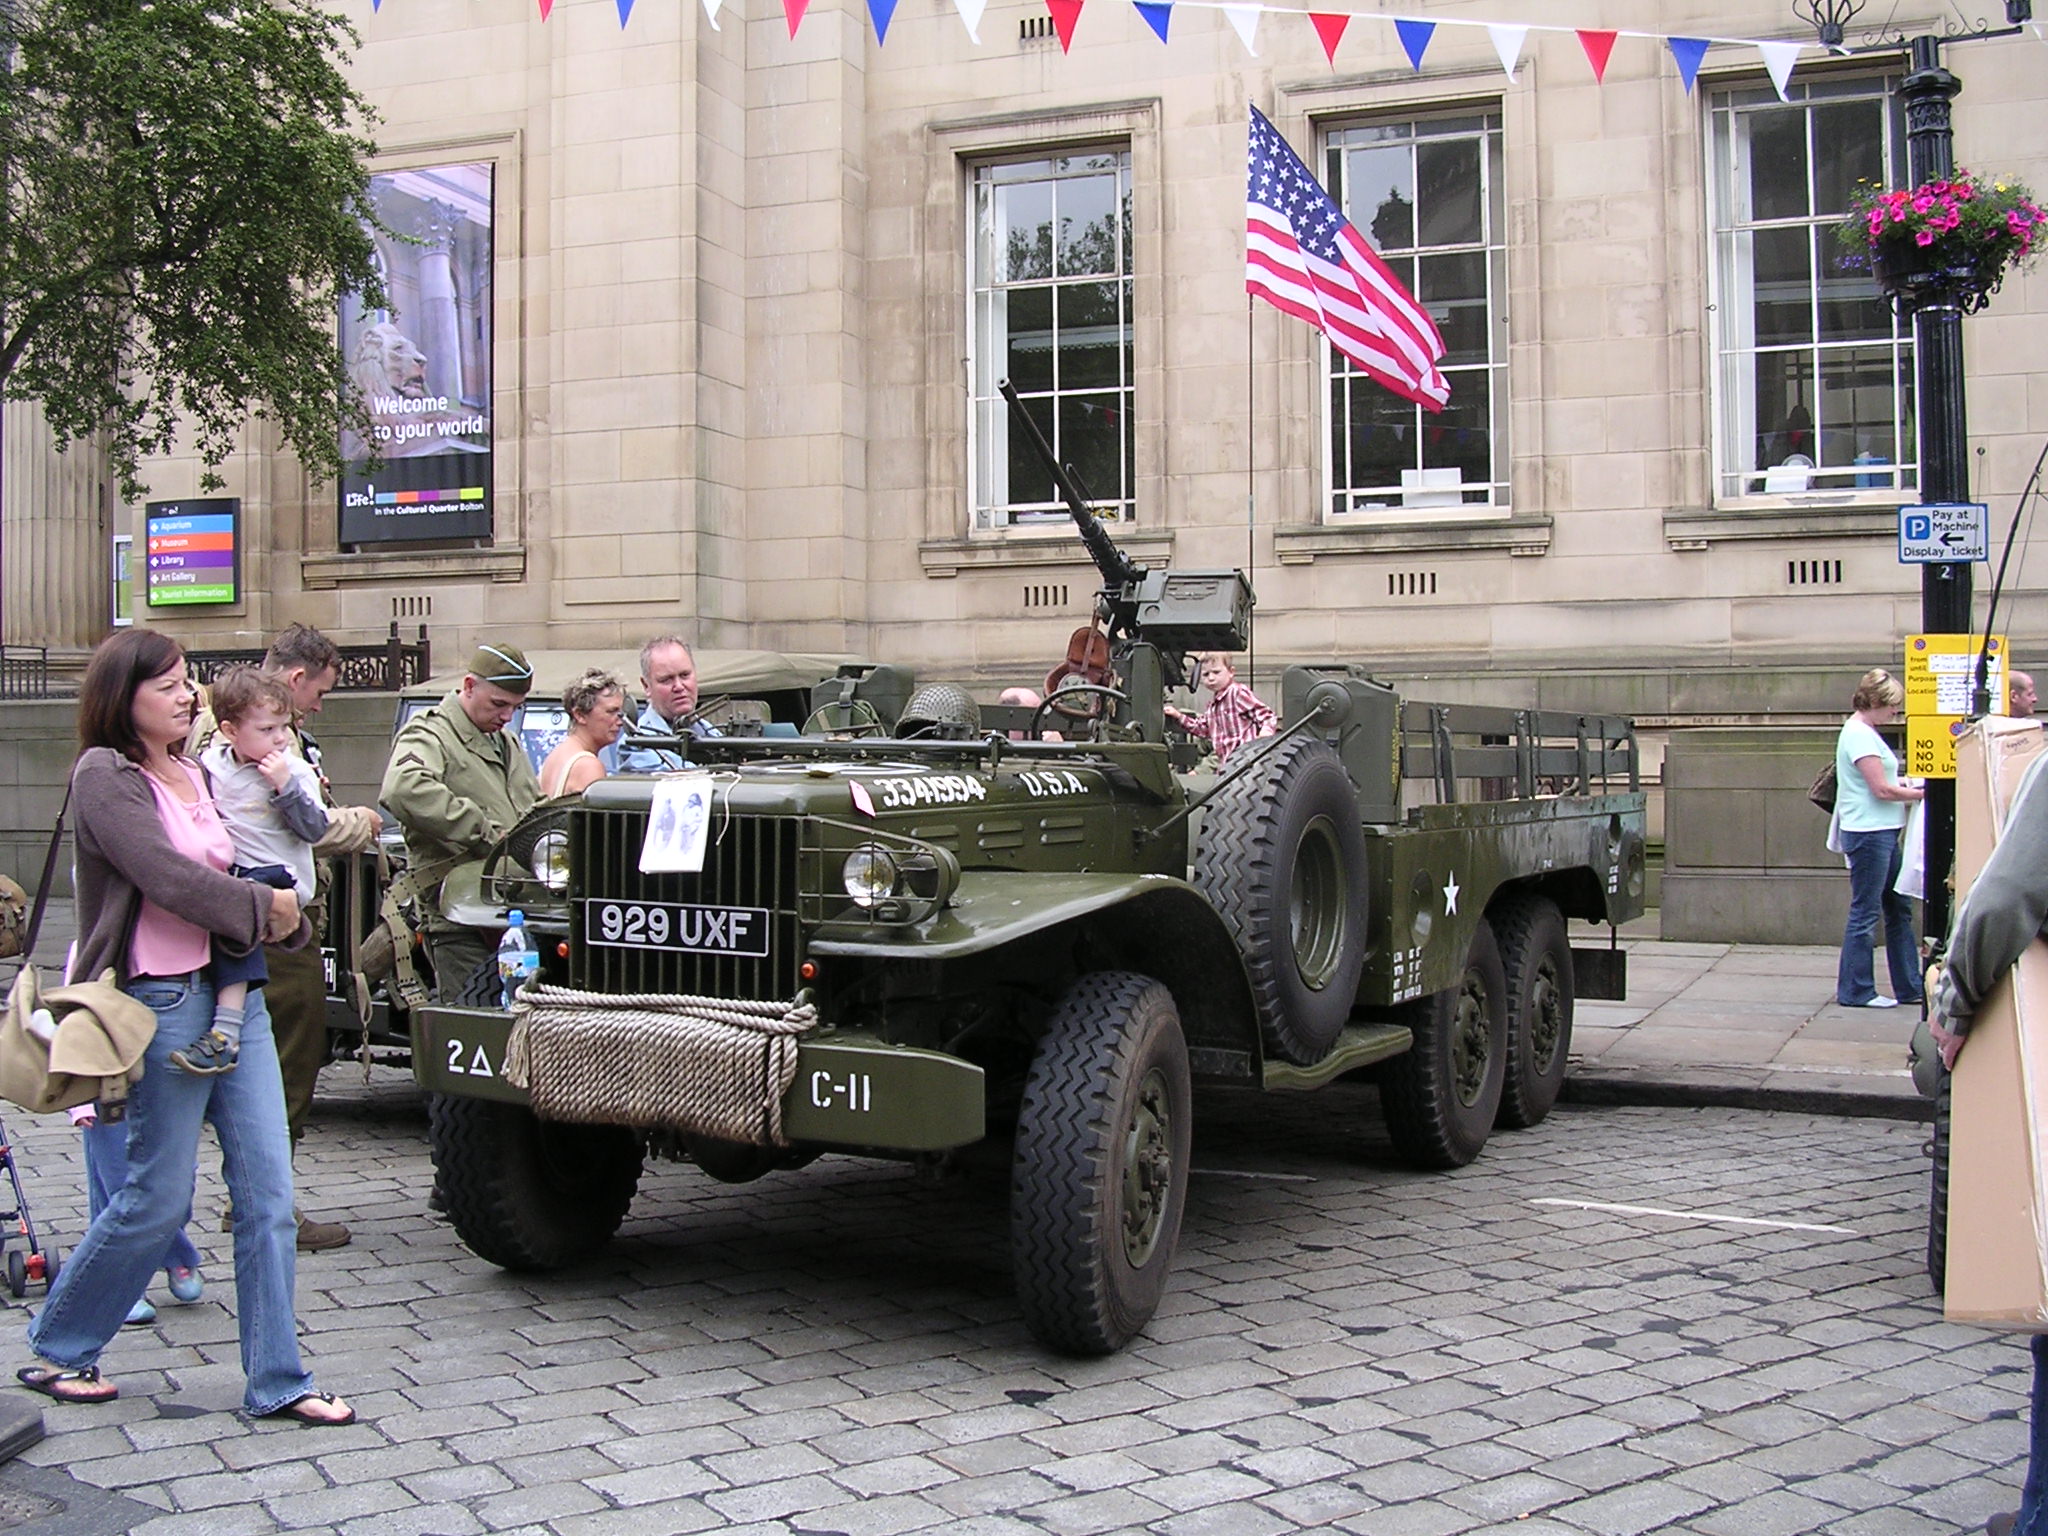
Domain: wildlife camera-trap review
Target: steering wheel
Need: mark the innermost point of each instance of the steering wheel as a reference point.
(1073, 711)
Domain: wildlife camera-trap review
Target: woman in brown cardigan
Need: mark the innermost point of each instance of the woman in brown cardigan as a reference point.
(153, 897)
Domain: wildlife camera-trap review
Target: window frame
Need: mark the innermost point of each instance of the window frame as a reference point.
(1732, 351)
(1485, 123)
(986, 411)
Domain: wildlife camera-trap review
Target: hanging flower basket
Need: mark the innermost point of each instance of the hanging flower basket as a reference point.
(1948, 242)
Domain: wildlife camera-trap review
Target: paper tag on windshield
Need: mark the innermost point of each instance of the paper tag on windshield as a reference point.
(678, 826)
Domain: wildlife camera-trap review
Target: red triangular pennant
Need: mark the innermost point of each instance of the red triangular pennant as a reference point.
(1329, 29)
(1597, 45)
(1064, 14)
(545, 7)
(794, 11)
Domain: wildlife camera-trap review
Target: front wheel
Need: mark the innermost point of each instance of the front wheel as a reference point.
(1098, 1181)
(1442, 1097)
(526, 1193)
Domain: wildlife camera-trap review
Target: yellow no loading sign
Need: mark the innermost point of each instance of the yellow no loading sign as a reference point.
(1940, 674)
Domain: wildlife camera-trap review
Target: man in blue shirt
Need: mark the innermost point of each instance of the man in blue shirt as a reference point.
(668, 676)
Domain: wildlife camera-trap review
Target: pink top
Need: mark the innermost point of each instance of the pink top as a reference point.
(164, 943)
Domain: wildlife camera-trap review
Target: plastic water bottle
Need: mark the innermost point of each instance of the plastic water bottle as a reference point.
(517, 958)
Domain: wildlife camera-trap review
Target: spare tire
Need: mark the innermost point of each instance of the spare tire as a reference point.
(1282, 858)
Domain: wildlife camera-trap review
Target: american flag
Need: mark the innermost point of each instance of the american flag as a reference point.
(1302, 255)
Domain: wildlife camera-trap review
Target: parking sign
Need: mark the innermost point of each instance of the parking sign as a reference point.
(1940, 532)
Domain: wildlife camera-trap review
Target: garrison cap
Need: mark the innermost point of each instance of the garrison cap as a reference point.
(502, 665)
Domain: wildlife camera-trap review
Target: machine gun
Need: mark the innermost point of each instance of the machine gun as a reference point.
(1173, 611)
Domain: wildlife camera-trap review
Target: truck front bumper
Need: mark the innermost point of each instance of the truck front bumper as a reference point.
(852, 1090)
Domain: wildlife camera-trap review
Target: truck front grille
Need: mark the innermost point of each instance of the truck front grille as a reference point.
(750, 864)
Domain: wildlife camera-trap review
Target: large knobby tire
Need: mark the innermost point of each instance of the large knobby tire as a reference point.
(1099, 1176)
(1442, 1096)
(1937, 1195)
(1282, 858)
(525, 1193)
(1536, 958)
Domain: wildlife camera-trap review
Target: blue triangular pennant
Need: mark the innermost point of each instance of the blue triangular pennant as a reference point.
(882, 12)
(625, 10)
(1415, 36)
(1688, 51)
(1158, 14)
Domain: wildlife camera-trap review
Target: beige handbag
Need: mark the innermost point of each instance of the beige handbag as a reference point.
(96, 1036)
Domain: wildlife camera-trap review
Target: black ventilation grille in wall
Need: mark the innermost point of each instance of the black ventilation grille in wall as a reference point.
(1045, 594)
(1034, 29)
(1813, 573)
(1411, 583)
(420, 606)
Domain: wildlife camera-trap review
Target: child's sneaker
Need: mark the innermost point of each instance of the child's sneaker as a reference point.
(209, 1056)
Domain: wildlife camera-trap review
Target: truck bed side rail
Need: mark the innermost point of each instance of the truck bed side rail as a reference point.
(1481, 752)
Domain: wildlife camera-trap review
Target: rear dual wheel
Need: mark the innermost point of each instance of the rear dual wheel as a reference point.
(1536, 960)
(1441, 1098)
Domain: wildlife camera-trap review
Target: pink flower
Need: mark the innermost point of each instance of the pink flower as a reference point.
(1922, 203)
(1925, 237)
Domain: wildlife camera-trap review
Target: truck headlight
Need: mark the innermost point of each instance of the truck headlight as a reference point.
(869, 875)
(549, 860)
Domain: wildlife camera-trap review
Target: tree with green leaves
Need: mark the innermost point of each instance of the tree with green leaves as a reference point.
(185, 195)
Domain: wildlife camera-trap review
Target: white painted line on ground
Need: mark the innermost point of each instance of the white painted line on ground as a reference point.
(1703, 1216)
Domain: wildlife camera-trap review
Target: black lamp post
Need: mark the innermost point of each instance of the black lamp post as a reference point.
(1938, 372)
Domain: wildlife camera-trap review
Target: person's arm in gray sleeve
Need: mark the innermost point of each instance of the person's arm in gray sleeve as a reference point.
(304, 815)
(2005, 909)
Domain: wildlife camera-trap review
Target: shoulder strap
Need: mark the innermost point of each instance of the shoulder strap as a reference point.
(35, 916)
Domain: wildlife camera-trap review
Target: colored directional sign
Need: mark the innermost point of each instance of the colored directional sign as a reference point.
(192, 551)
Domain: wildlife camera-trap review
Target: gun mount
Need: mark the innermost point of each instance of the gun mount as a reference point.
(1176, 611)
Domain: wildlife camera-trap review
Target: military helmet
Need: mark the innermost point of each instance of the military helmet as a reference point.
(940, 712)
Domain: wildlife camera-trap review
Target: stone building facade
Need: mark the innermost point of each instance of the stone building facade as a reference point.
(751, 293)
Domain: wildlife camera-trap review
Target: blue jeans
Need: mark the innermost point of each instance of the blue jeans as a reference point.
(1873, 869)
(111, 1268)
(106, 1170)
(2034, 1499)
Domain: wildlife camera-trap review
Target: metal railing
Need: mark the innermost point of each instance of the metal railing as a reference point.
(387, 668)
(1473, 752)
(25, 672)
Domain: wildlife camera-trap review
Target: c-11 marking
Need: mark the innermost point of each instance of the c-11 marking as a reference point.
(856, 1091)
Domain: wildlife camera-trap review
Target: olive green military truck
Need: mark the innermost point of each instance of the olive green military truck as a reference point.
(910, 936)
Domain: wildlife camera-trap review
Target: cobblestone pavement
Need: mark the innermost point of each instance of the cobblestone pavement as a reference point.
(1346, 1345)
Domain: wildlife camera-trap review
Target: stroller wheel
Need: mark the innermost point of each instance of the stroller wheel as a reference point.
(53, 1261)
(17, 1273)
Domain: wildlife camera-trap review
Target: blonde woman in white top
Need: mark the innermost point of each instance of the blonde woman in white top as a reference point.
(596, 706)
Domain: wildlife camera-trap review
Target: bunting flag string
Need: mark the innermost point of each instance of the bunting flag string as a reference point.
(1415, 34)
(1330, 29)
(1065, 13)
(1598, 46)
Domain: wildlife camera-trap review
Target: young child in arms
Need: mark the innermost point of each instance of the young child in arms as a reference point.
(269, 801)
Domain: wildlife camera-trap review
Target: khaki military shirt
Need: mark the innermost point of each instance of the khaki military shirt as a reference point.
(454, 789)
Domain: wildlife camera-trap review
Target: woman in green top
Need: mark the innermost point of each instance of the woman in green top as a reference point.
(1870, 808)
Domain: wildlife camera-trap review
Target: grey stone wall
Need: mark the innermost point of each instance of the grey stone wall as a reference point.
(1745, 852)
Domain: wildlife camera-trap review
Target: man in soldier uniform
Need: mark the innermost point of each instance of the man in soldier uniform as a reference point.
(668, 676)
(457, 783)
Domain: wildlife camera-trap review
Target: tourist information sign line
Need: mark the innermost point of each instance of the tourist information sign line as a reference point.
(1938, 533)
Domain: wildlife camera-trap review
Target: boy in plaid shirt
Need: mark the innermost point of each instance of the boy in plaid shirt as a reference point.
(1234, 716)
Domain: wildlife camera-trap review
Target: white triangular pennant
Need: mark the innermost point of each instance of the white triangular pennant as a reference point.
(1779, 59)
(1245, 19)
(711, 14)
(1507, 42)
(970, 17)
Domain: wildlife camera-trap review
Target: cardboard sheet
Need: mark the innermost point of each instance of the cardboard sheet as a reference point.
(1997, 1226)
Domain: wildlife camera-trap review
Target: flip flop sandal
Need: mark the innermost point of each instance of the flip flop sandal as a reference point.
(296, 1411)
(37, 1379)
